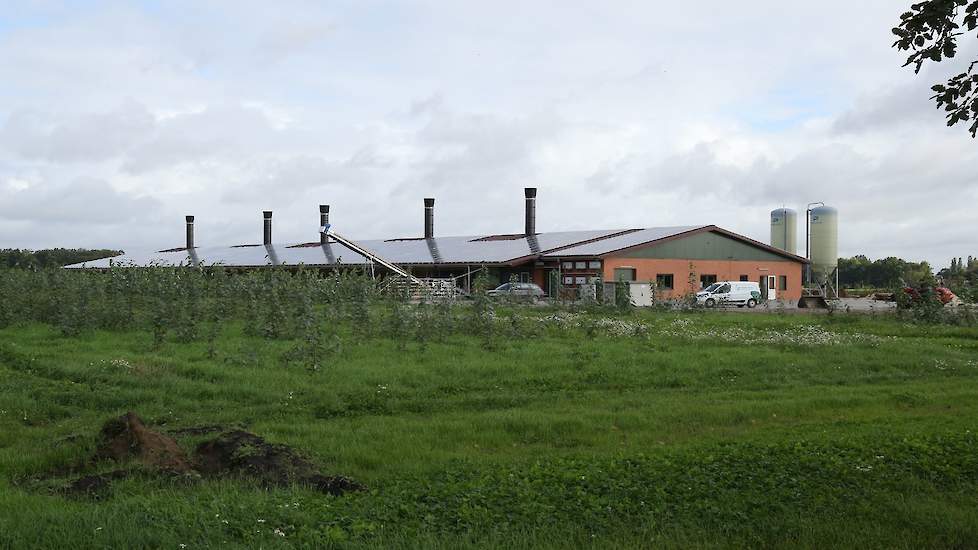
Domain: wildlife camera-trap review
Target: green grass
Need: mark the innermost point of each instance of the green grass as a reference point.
(682, 436)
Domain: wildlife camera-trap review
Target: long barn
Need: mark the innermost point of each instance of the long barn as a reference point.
(679, 259)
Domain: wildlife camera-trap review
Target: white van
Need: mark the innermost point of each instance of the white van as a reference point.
(738, 293)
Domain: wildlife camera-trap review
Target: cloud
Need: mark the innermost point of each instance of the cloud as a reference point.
(214, 132)
(85, 200)
(140, 141)
(646, 115)
(89, 137)
(287, 178)
(291, 38)
(902, 106)
(479, 151)
(906, 104)
(884, 203)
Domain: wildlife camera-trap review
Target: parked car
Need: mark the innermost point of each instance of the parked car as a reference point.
(738, 293)
(518, 290)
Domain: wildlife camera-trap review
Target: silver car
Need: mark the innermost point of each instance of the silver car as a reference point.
(520, 290)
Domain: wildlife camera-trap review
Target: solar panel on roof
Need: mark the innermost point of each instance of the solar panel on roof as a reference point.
(625, 240)
(491, 249)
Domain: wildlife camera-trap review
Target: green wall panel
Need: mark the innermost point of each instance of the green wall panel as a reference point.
(703, 246)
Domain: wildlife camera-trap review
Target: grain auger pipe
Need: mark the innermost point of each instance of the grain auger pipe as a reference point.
(371, 256)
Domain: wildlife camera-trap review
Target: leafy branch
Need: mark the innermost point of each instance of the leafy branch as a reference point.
(930, 31)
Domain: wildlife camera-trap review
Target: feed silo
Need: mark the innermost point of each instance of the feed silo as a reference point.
(784, 229)
(824, 242)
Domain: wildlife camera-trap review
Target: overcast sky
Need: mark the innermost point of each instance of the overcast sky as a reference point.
(118, 118)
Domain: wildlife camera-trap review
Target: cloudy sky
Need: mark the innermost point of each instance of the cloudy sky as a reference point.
(118, 118)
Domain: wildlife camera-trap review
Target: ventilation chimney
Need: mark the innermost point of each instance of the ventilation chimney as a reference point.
(531, 211)
(323, 223)
(429, 218)
(190, 232)
(268, 227)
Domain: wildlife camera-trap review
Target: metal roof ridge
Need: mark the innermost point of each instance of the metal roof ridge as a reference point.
(592, 240)
(683, 228)
(678, 231)
(686, 230)
(542, 253)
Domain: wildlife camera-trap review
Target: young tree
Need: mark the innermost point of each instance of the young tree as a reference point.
(930, 31)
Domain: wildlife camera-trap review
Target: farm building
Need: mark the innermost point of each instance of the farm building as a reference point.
(678, 259)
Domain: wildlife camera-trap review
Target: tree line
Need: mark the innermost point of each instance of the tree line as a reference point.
(53, 257)
(892, 272)
(861, 272)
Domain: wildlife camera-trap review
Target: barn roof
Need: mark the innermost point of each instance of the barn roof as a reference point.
(461, 250)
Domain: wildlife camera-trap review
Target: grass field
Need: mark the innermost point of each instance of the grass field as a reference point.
(649, 429)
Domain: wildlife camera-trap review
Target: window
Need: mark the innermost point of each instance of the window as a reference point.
(724, 289)
(624, 274)
(580, 265)
(567, 265)
(745, 277)
(524, 277)
(707, 280)
(568, 280)
(594, 264)
(782, 282)
(770, 282)
(664, 281)
(580, 280)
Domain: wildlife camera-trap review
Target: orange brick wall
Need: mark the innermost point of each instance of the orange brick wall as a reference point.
(725, 270)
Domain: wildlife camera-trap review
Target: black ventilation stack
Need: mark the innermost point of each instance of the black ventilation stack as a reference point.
(267, 238)
(190, 232)
(429, 218)
(531, 211)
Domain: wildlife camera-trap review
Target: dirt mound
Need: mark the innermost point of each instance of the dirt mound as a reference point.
(127, 437)
(234, 452)
(242, 453)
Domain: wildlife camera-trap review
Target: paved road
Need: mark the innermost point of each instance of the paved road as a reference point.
(862, 305)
